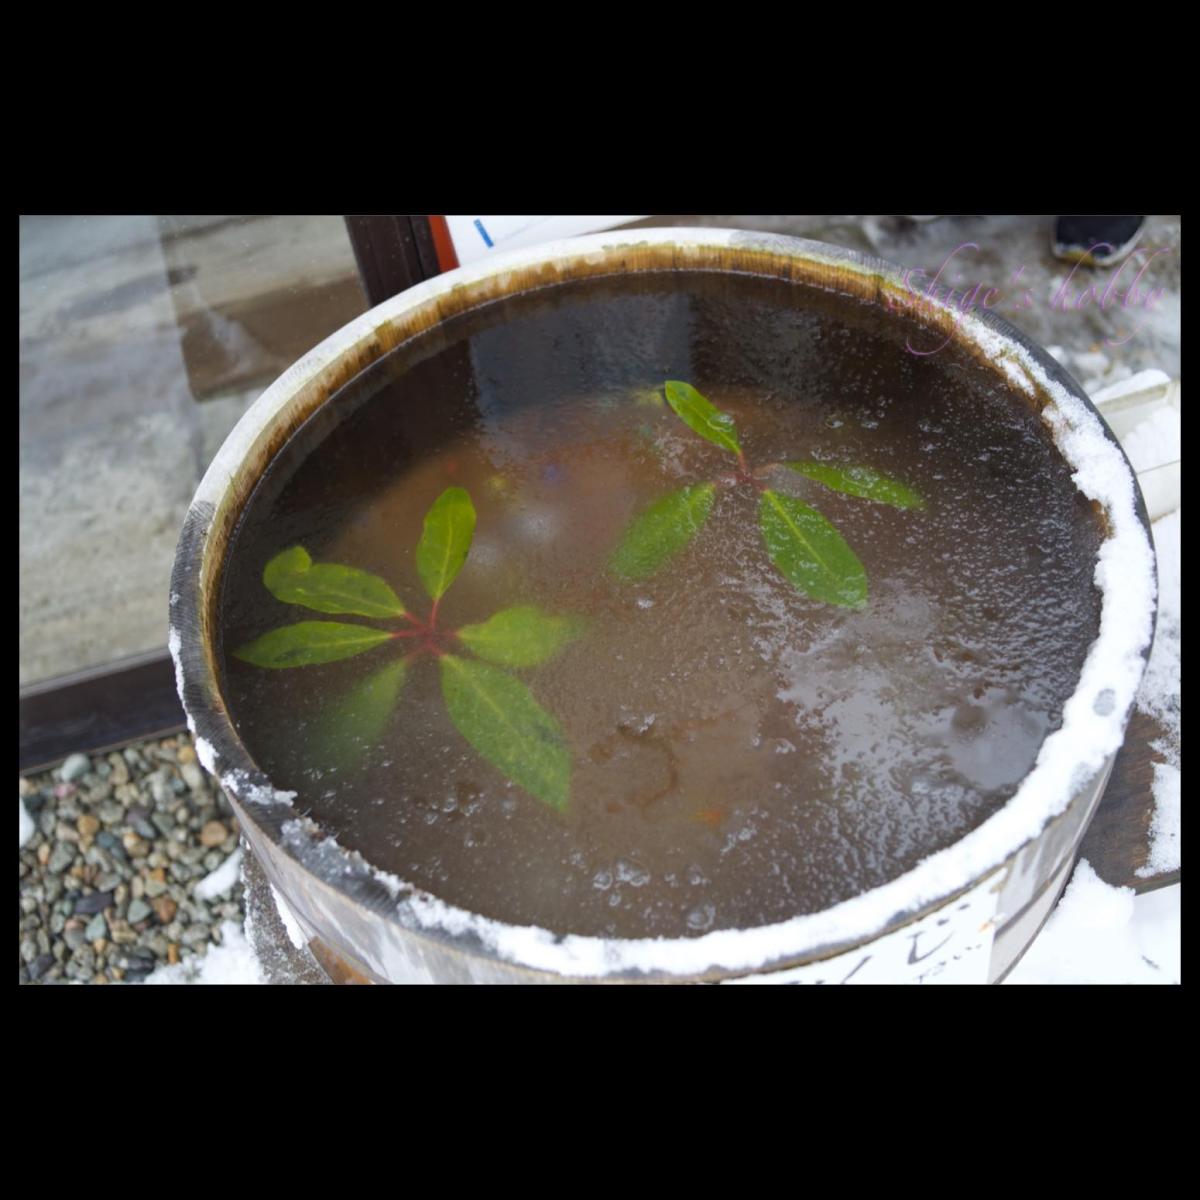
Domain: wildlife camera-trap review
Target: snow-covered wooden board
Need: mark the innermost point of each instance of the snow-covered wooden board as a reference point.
(1118, 840)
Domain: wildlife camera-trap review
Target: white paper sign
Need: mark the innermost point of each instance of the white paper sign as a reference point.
(477, 237)
(951, 945)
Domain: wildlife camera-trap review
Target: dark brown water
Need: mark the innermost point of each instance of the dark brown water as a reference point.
(740, 753)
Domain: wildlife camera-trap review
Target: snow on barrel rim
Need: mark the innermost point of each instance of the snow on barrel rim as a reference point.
(1092, 728)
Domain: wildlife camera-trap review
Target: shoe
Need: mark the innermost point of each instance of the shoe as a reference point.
(1096, 241)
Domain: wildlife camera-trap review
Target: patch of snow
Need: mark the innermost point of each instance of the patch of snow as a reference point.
(222, 879)
(206, 755)
(239, 783)
(1166, 826)
(1160, 697)
(1159, 694)
(28, 828)
(175, 645)
(1143, 381)
(294, 932)
(233, 961)
(1156, 440)
(1104, 934)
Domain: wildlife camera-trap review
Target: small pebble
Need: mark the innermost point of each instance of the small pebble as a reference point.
(97, 902)
(120, 933)
(60, 858)
(135, 847)
(76, 767)
(160, 789)
(213, 834)
(139, 910)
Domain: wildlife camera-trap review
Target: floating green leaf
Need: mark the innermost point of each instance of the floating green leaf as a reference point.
(496, 713)
(443, 548)
(811, 552)
(702, 416)
(520, 637)
(310, 642)
(352, 725)
(662, 531)
(294, 578)
(865, 482)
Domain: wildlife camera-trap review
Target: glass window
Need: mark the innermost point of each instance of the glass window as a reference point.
(142, 340)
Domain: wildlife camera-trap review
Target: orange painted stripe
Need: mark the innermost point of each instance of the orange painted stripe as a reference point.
(443, 244)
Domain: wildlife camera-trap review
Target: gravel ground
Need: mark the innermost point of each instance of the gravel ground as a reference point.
(108, 878)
